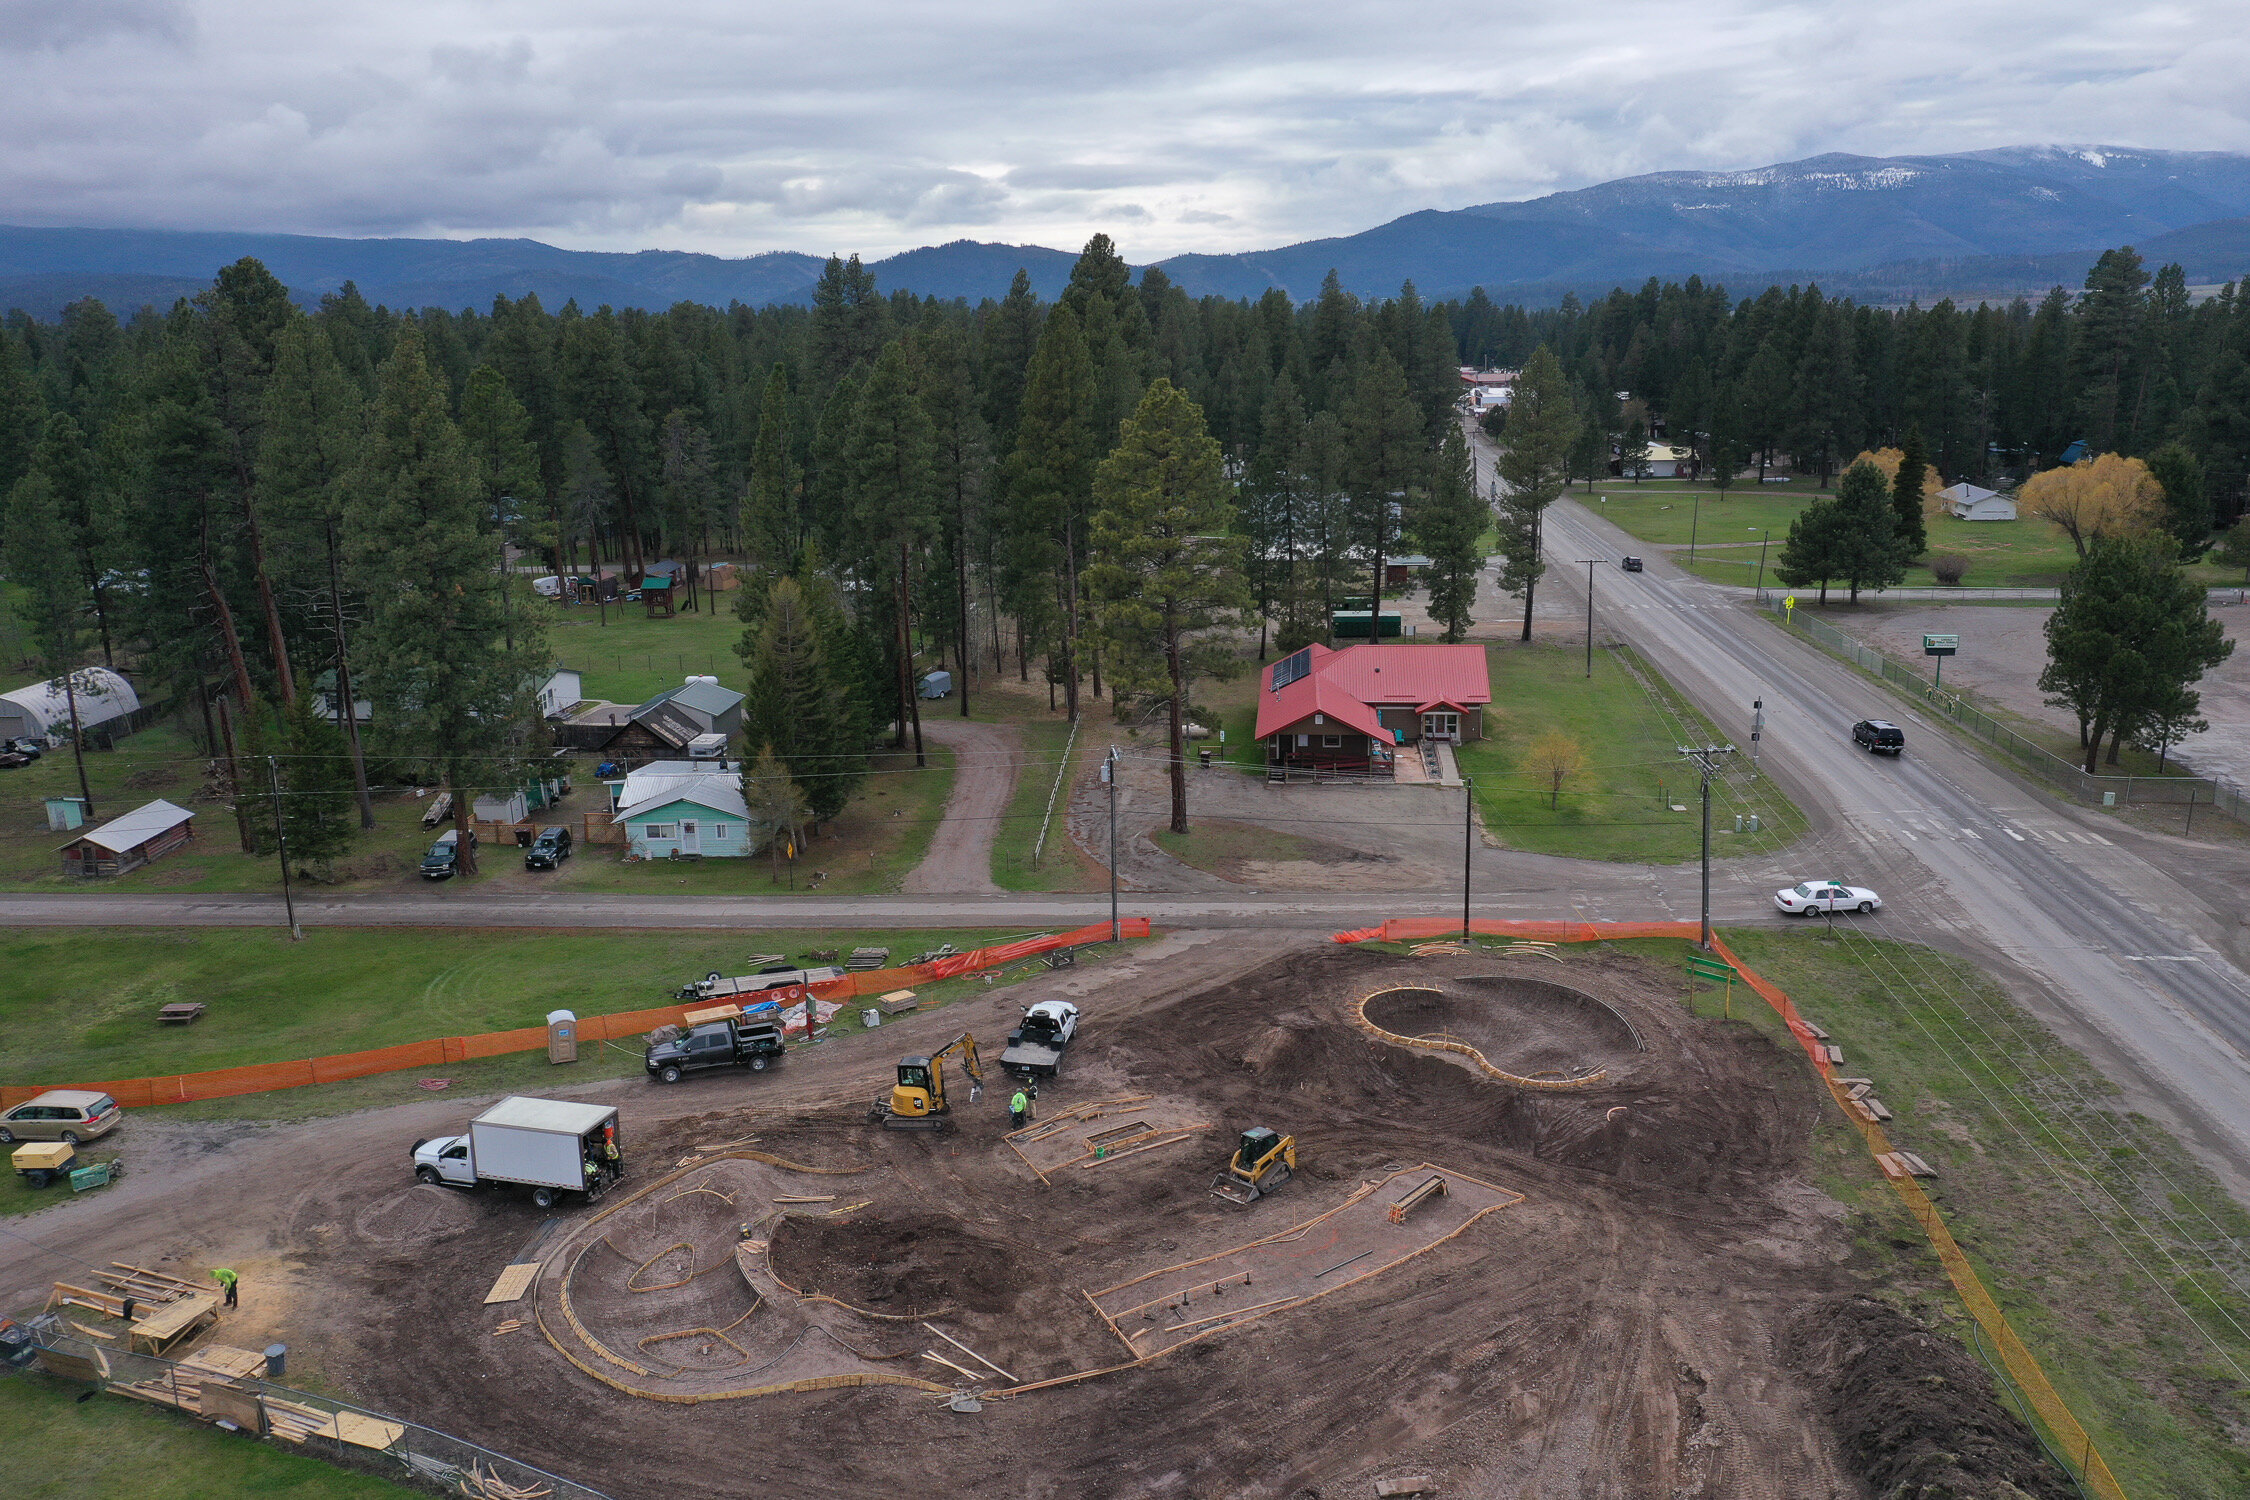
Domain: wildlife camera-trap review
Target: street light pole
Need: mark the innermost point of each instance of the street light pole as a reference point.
(1706, 758)
(1694, 520)
(1468, 844)
(1109, 774)
(1765, 535)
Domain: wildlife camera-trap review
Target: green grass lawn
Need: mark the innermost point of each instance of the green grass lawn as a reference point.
(1061, 866)
(1222, 847)
(82, 1003)
(65, 1449)
(632, 658)
(2026, 1134)
(1667, 514)
(1630, 727)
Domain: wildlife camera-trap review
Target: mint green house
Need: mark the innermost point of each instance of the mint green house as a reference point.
(685, 808)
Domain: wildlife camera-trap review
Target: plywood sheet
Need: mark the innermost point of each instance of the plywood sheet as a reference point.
(363, 1431)
(514, 1281)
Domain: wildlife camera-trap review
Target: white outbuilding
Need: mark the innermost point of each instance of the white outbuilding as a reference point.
(1968, 502)
(44, 708)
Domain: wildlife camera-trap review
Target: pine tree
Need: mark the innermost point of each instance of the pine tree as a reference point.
(317, 795)
(1167, 572)
(1813, 552)
(1449, 525)
(1906, 495)
(51, 601)
(2187, 508)
(1868, 553)
(1384, 462)
(768, 522)
(888, 457)
(453, 676)
(2129, 639)
(799, 707)
(777, 804)
(496, 430)
(1535, 452)
(1050, 478)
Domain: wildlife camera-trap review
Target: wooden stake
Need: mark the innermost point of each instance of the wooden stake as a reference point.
(950, 1365)
(965, 1349)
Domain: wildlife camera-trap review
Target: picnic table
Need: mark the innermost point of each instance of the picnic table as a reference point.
(180, 1012)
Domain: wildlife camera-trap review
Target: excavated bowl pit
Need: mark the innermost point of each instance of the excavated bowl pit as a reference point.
(908, 1265)
(1527, 1026)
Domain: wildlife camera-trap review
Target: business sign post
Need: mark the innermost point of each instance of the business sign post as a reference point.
(1941, 647)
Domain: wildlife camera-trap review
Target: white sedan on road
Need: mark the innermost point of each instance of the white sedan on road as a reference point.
(1812, 897)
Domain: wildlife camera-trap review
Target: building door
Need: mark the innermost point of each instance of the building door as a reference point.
(691, 840)
(1437, 726)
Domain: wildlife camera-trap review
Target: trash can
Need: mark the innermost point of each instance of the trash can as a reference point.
(1204, 756)
(277, 1361)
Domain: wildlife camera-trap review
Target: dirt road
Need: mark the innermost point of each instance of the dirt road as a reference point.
(984, 778)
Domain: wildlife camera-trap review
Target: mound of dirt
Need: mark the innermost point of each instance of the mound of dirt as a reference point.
(1917, 1413)
(895, 1263)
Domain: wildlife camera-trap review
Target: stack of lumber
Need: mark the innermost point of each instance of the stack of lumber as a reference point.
(213, 1364)
(1904, 1164)
(148, 1286)
(1861, 1097)
(897, 1001)
(293, 1421)
(867, 958)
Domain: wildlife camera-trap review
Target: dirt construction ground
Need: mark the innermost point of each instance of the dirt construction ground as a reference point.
(1630, 1291)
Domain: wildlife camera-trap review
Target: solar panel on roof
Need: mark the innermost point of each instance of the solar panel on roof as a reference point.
(1292, 669)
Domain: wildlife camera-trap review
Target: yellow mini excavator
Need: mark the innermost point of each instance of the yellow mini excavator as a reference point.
(917, 1101)
(1263, 1162)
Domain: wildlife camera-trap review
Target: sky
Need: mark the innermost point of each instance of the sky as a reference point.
(740, 126)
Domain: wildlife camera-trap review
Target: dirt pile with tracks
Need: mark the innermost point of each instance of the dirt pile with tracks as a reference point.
(907, 1264)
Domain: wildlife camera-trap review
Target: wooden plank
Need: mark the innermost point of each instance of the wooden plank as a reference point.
(1137, 1150)
(806, 1198)
(1875, 1107)
(513, 1282)
(1412, 1484)
(1233, 1312)
(1835, 1053)
(965, 1349)
(231, 1403)
(1916, 1165)
(950, 1365)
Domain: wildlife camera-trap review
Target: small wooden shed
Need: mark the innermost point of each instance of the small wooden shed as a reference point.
(122, 844)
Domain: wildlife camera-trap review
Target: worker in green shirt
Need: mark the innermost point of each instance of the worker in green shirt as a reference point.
(229, 1280)
(1019, 1109)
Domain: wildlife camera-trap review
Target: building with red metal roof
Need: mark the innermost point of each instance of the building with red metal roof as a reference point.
(1349, 710)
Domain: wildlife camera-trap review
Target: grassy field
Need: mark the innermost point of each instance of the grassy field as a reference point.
(82, 1004)
(2093, 1227)
(65, 1449)
(1668, 514)
(1222, 847)
(1062, 866)
(1629, 722)
(632, 658)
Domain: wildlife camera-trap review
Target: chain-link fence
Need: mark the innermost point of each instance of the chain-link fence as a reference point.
(347, 1435)
(2215, 792)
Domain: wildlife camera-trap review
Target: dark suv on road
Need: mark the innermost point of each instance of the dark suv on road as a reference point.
(549, 850)
(1879, 737)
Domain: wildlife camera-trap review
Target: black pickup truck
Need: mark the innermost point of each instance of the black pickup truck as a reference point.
(749, 1044)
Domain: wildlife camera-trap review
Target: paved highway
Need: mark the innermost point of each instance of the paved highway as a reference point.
(2117, 944)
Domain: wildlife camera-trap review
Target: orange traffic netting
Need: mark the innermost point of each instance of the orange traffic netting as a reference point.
(2070, 1435)
(260, 1078)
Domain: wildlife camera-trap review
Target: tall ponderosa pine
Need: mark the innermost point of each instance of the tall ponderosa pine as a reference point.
(1906, 494)
(1449, 524)
(2187, 506)
(1533, 465)
(799, 705)
(1167, 571)
(768, 523)
(1385, 457)
(888, 456)
(452, 675)
(317, 795)
(1050, 480)
(1868, 553)
(777, 805)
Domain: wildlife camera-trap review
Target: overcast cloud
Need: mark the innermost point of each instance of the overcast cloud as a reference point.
(738, 127)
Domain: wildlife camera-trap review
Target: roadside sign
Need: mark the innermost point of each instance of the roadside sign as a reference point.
(1789, 606)
(1940, 645)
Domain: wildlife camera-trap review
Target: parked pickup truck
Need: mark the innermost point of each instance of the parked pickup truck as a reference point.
(1035, 1047)
(547, 1145)
(751, 1042)
(716, 986)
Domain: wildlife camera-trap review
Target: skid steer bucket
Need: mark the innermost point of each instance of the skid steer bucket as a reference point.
(1234, 1189)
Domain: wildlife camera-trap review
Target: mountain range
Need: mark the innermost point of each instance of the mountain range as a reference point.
(2014, 220)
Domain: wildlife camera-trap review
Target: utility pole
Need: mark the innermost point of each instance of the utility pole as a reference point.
(1109, 775)
(1765, 535)
(1707, 759)
(281, 840)
(1757, 728)
(1589, 562)
(1468, 846)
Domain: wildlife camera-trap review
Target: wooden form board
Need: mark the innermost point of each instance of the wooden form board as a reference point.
(514, 1281)
(174, 1321)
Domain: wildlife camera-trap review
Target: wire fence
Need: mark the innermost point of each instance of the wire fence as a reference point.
(345, 1434)
(2217, 792)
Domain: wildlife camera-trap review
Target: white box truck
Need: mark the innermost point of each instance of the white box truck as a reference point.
(547, 1145)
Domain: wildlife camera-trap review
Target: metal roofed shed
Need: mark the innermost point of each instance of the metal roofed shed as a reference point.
(44, 707)
(122, 844)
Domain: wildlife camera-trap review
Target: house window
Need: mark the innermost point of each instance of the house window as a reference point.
(1331, 742)
(659, 831)
(719, 831)
(1441, 726)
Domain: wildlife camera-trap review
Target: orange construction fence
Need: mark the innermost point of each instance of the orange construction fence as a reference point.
(437, 1052)
(2070, 1435)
